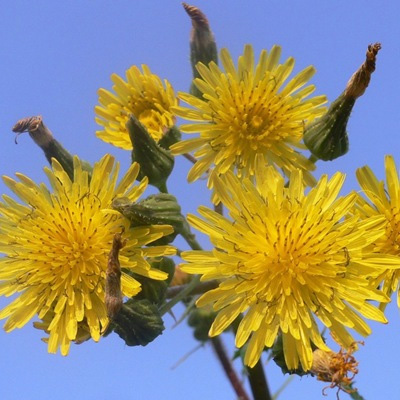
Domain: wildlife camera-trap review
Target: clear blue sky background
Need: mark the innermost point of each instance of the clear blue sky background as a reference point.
(54, 55)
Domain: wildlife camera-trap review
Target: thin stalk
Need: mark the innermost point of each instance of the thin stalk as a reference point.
(201, 288)
(256, 375)
(191, 239)
(188, 289)
(189, 157)
(181, 295)
(216, 342)
(163, 187)
(228, 368)
(283, 387)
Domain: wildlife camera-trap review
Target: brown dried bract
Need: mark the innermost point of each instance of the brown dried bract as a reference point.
(113, 278)
(29, 124)
(38, 131)
(361, 78)
(197, 17)
(335, 368)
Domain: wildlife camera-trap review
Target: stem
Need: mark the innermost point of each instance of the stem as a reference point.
(228, 368)
(258, 382)
(201, 288)
(181, 295)
(188, 289)
(256, 375)
(189, 157)
(191, 239)
(163, 187)
(193, 287)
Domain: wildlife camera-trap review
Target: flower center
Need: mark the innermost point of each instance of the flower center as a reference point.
(259, 119)
(71, 244)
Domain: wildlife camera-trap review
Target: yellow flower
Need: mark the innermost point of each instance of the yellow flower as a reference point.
(247, 111)
(145, 96)
(56, 244)
(384, 202)
(284, 259)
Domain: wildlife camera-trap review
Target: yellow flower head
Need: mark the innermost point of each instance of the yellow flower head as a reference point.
(384, 202)
(285, 259)
(145, 96)
(247, 111)
(56, 244)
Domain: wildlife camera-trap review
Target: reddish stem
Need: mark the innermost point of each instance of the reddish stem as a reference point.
(228, 368)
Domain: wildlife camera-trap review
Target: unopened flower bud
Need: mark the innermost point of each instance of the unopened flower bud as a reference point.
(201, 320)
(202, 43)
(157, 209)
(153, 290)
(155, 162)
(43, 137)
(82, 334)
(326, 137)
(138, 322)
(172, 136)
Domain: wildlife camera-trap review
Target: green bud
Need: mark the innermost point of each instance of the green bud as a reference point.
(155, 162)
(157, 209)
(172, 136)
(201, 320)
(164, 264)
(326, 137)
(82, 334)
(279, 358)
(138, 322)
(202, 43)
(152, 290)
(43, 137)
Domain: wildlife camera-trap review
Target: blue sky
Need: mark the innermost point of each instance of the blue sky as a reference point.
(55, 56)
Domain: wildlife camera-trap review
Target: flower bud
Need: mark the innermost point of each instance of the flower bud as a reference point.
(326, 137)
(201, 320)
(157, 209)
(138, 322)
(172, 136)
(202, 43)
(82, 334)
(43, 137)
(151, 289)
(155, 162)
(278, 355)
